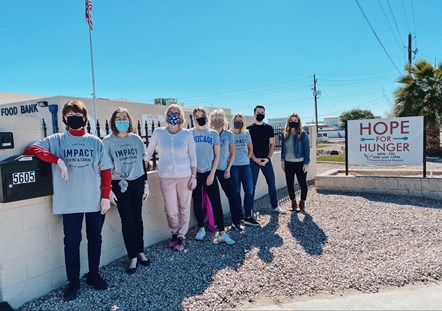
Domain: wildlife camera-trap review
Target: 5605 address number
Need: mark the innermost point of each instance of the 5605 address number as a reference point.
(23, 177)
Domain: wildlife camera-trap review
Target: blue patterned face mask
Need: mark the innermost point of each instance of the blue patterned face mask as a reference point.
(173, 119)
(122, 126)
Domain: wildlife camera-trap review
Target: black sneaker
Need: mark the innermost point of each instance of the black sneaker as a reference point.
(250, 221)
(96, 281)
(71, 292)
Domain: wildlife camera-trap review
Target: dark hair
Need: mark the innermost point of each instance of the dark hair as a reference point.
(75, 106)
(258, 106)
(114, 116)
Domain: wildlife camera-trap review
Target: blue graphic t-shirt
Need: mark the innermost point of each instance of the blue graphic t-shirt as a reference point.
(241, 148)
(225, 139)
(205, 140)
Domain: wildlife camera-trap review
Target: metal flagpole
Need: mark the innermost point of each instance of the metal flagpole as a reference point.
(88, 9)
(93, 77)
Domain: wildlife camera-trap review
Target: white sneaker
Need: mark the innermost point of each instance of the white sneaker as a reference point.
(279, 210)
(225, 238)
(201, 234)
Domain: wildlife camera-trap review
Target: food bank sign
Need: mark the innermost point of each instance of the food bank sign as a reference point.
(397, 141)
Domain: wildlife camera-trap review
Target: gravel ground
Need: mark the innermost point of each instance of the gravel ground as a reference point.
(362, 242)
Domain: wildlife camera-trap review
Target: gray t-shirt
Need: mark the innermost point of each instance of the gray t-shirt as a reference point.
(205, 140)
(241, 148)
(126, 155)
(85, 157)
(290, 150)
(225, 139)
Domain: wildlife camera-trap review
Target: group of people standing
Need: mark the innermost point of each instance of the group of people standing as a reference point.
(94, 173)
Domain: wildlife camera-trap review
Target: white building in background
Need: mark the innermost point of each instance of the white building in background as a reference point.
(166, 101)
(277, 121)
(49, 109)
(332, 122)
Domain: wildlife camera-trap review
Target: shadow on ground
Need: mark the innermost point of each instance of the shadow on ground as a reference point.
(309, 235)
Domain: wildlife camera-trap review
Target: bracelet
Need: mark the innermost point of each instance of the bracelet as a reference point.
(194, 176)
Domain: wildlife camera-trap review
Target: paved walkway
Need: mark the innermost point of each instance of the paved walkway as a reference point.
(411, 297)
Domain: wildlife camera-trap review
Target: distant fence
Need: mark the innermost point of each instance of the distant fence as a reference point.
(148, 130)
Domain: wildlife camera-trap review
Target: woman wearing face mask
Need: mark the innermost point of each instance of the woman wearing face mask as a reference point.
(218, 122)
(129, 183)
(241, 171)
(176, 170)
(82, 183)
(208, 153)
(295, 158)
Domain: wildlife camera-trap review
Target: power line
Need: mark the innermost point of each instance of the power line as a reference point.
(354, 94)
(242, 95)
(374, 32)
(406, 17)
(391, 28)
(278, 85)
(356, 82)
(394, 19)
(356, 75)
(414, 24)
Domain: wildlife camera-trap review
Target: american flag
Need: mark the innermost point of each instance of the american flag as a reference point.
(88, 14)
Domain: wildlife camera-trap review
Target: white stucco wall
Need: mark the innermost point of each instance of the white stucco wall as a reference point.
(31, 238)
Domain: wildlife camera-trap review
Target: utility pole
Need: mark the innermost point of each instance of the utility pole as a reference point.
(409, 49)
(315, 95)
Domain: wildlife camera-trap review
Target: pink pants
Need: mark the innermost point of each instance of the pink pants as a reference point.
(177, 197)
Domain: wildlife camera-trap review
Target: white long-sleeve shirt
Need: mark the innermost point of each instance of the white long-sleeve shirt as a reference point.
(176, 152)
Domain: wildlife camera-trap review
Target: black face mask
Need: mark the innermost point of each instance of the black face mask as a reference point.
(293, 124)
(75, 122)
(260, 117)
(237, 124)
(201, 121)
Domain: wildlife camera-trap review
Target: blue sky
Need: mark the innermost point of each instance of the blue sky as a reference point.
(223, 53)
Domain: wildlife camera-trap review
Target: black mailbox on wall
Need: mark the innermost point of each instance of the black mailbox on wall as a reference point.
(24, 177)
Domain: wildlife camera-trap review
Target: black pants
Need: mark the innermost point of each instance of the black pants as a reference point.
(229, 189)
(72, 224)
(129, 206)
(215, 199)
(292, 168)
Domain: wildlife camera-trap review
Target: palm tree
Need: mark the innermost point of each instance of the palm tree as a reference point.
(421, 95)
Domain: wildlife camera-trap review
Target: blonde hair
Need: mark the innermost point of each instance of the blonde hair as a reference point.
(200, 108)
(180, 110)
(243, 119)
(218, 113)
(287, 129)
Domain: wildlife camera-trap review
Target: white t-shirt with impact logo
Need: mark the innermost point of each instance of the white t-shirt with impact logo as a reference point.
(85, 157)
(127, 156)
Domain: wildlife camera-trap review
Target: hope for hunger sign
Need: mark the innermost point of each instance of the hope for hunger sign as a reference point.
(395, 141)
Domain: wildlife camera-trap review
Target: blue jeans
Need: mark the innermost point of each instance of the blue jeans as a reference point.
(242, 174)
(269, 175)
